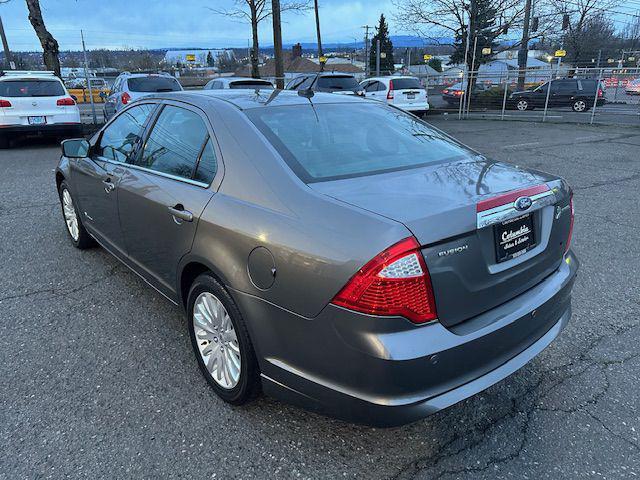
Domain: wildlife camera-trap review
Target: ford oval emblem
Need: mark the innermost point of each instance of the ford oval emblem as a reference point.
(523, 203)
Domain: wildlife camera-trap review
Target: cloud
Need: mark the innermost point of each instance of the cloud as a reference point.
(178, 23)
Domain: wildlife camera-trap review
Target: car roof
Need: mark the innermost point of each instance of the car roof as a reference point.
(248, 99)
(241, 79)
(390, 77)
(29, 76)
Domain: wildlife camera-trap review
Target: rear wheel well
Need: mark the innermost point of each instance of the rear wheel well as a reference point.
(190, 272)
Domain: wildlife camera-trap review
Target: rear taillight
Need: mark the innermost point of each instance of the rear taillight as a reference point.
(566, 249)
(65, 102)
(5, 103)
(445, 91)
(600, 93)
(125, 98)
(390, 92)
(395, 283)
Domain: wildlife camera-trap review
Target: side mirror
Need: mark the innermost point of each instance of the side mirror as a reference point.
(75, 99)
(75, 148)
(103, 95)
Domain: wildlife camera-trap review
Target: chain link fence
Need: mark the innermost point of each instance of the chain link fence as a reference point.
(564, 94)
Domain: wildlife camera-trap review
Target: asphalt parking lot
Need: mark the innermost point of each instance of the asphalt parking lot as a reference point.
(98, 378)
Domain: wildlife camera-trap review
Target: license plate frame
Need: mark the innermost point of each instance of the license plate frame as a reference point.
(37, 120)
(411, 96)
(514, 237)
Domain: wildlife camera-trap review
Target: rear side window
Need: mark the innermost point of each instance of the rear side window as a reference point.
(406, 83)
(121, 136)
(567, 86)
(248, 84)
(31, 88)
(174, 144)
(333, 141)
(208, 164)
(153, 84)
(343, 82)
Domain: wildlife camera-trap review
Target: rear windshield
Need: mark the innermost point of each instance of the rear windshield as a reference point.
(253, 85)
(338, 83)
(31, 88)
(334, 141)
(153, 84)
(405, 83)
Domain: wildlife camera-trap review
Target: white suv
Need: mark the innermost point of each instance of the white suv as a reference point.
(403, 92)
(36, 103)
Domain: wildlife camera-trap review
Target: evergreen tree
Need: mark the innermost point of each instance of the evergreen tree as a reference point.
(386, 47)
(210, 61)
(484, 23)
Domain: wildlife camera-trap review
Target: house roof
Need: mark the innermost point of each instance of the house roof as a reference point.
(294, 64)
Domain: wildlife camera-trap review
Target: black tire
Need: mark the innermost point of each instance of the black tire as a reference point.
(84, 240)
(4, 142)
(580, 105)
(248, 386)
(522, 104)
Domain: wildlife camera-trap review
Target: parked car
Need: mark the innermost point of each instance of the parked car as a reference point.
(327, 82)
(403, 92)
(452, 94)
(128, 87)
(36, 103)
(335, 252)
(633, 87)
(579, 94)
(245, 83)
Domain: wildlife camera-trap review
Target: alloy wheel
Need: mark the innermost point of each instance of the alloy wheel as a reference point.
(70, 217)
(217, 340)
(522, 105)
(580, 106)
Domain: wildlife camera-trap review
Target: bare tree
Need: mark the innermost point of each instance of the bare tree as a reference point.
(254, 12)
(489, 20)
(49, 44)
(586, 19)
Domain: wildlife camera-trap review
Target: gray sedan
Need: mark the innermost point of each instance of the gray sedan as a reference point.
(330, 251)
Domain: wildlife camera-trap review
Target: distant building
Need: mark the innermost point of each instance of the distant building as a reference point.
(196, 58)
(496, 71)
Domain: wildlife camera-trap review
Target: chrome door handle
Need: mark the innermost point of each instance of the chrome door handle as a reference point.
(179, 212)
(108, 185)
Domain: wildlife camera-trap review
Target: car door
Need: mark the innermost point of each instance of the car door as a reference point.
(563, 92)
(96, 178)
(163, 192)
(375, 90)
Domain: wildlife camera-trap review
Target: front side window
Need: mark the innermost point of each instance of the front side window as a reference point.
(31, 88)
(121, 136)
(333, 141)
(174, 144)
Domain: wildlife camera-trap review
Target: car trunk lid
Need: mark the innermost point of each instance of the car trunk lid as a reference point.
(453, 209)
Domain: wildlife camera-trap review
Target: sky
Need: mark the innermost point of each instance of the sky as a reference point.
(179, 23)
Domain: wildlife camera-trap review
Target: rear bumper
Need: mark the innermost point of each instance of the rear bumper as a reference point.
(415, 108)
(386, 371)
(48, 129)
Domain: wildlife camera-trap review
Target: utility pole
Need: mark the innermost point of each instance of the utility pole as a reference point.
(523, 52)
(378, 57)
(599, 58)
(88, 80)
(5, 45)
(277, 43)
(320, 54)
(366, 50)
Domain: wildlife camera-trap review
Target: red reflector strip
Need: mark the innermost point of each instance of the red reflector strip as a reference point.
(509, 197)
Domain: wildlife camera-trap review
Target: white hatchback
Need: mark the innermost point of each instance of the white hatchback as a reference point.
(403, 92)
(36, 103)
